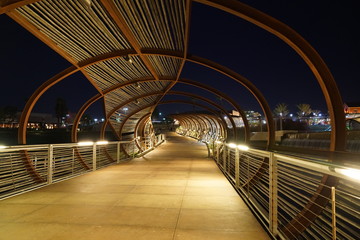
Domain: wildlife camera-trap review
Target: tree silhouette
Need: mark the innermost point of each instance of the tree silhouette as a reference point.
(281, 111)
(304, 110)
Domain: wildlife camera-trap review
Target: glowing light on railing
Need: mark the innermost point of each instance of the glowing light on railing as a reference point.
(2, 147)
(232, 145)
(85, 143)
(102, 142)
(243, 147)
(349, 172)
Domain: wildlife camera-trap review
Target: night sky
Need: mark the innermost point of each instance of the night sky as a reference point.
(276, 69)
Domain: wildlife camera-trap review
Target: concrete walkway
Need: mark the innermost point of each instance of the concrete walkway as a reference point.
(174, 192)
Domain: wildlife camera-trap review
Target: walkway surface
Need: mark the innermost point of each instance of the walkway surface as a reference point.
(174, 192)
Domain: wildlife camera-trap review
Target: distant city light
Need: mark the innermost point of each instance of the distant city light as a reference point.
(95, 119)
(291, 114)
(102, 119)
(160, 114)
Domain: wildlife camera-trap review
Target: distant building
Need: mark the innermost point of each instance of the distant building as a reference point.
(36, 121)
(352, 108)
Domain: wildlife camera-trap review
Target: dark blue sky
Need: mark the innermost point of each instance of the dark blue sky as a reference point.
(330, 26)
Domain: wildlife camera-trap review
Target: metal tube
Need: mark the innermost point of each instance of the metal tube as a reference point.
(94, 157)
(273, 195)
(50, 164)
(333, 213)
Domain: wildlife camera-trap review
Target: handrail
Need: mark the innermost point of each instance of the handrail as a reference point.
(27, 167)
(278, 187)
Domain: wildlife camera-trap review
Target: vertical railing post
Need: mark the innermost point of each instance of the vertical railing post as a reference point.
(237, 168)
(227, 169)
(118, 153)
(217, 152)
(224, 156)
(273, 192)
(133, 149)
(50, 164)
(333, 213)
(94, 156)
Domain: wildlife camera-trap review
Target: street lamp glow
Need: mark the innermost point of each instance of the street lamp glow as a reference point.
(85, 143)
(349, 172)
(232, 145)
(243, 147)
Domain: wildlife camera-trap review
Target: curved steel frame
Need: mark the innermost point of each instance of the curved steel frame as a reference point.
(289, 36)
(71, 70)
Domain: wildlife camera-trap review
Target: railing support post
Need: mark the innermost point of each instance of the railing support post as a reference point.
(118, 153)
(237, 168)
(273, 192)
(94, 156)
(333, 213)
(224, 156)
(217, 153)
(50, 164)
(133, 149)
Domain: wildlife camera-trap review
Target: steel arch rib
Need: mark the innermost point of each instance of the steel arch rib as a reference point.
(306, 52)
(328, 86)
(233, 75)
(159, 93)
(183, 81)
(179, 101)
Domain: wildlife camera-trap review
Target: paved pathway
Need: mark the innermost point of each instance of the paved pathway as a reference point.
(174, 192)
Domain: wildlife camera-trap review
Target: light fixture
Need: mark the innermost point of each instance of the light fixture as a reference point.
(137, 101)
(2, 147)
(137, 85)
(243, 147)
(128, 59)
(349, 172)
(85, 143)
(232, 145)
(102, 142)
(88, 3)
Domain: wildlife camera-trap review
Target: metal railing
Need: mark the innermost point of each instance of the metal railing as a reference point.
(294, 198)
(26, 167)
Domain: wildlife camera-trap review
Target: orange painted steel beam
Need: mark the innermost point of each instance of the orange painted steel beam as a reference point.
(188, 8)
(42, 37)
(34, 98)
(233, 75)
(211, 103)
(177, 93)
(328, 86)
(228, 99)
(121, 23)
(307, 53)
(9, 5)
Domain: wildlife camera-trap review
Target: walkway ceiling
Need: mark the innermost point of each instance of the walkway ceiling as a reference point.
(114, 42)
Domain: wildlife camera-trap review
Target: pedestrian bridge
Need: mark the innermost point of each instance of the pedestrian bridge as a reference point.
(211, 183)
(183, 189)
(173, 192)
